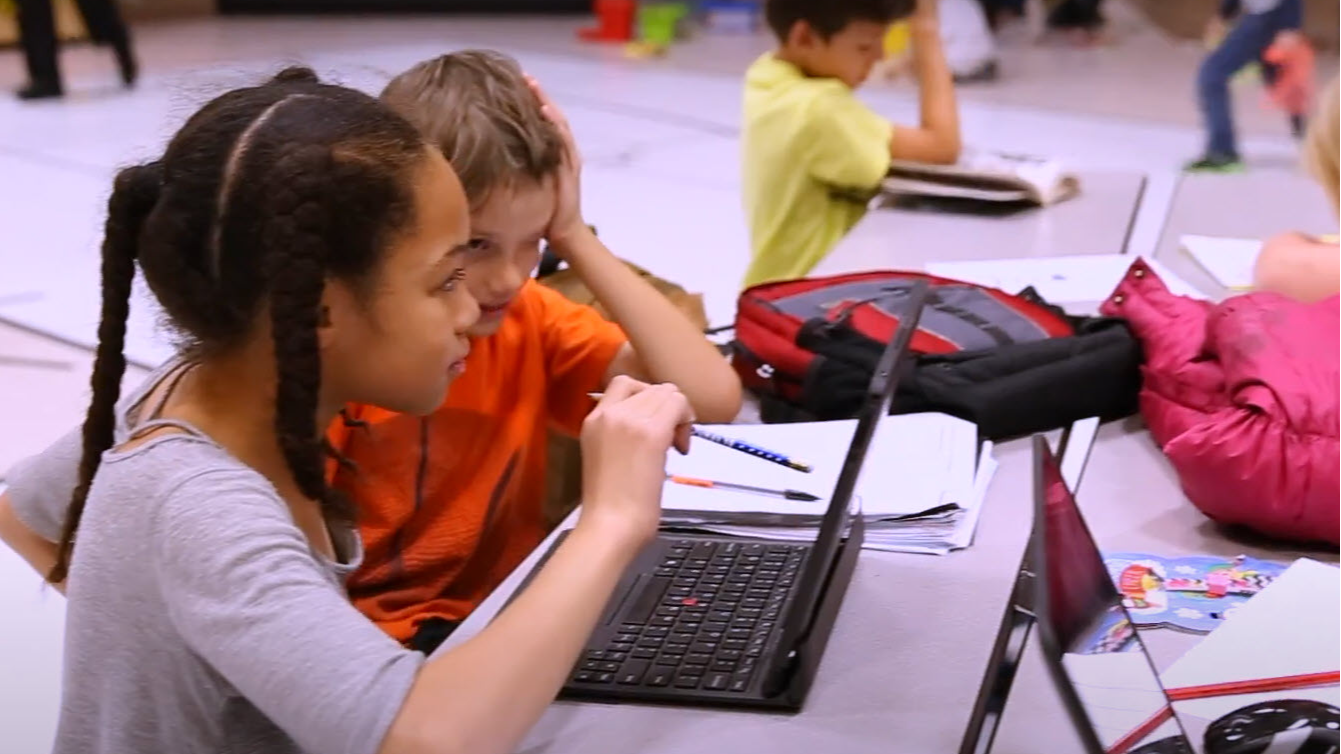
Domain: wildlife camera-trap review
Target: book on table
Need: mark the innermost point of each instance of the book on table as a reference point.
(987, 176)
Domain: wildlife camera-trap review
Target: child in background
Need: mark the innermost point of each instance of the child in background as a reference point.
(813, 154)
(1260, 24)
(1300, 266)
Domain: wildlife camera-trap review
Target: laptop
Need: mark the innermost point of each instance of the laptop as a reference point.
(1097, 661)
(706, 620)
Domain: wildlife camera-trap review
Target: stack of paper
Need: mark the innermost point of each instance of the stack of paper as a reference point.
(921, 486)
(1229, 260)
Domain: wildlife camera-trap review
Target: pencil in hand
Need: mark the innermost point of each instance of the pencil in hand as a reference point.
(742, 446)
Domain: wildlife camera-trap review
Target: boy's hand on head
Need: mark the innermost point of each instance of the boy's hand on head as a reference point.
(567, 222)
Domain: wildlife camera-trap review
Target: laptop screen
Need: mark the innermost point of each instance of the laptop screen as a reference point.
(1099, 663)
(879, 395)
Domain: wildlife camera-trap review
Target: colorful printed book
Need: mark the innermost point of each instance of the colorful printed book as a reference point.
(1194, 593)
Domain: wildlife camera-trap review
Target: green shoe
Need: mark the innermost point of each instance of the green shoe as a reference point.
(1215, 164)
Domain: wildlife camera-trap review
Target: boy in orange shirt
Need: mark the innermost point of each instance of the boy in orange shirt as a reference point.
(453, 502)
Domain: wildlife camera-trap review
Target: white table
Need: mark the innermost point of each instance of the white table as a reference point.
(1098, 221)
(1258, 204)
(912, 640)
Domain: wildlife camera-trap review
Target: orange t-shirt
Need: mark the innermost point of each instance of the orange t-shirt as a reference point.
(451, 503)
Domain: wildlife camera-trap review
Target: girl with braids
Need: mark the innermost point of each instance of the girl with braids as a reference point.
(307, 243)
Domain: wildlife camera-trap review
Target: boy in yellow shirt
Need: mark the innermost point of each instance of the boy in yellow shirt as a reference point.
(813, 153)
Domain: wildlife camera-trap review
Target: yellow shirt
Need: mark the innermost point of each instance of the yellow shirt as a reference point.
(813, 156)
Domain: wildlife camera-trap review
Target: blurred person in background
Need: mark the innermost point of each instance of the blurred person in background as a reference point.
(37, 36)
(1257, 26)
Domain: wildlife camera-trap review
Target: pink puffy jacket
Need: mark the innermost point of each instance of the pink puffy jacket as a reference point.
(1243, 398)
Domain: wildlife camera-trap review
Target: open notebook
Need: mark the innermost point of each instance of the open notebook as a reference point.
(985, 176)
(920, 487)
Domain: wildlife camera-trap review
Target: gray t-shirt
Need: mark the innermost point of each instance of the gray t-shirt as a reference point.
(199, 618)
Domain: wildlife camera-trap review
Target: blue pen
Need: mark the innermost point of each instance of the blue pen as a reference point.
(754, 450)
(741, 445)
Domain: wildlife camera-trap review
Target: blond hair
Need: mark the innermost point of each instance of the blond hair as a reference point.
(476, 106)
(1321, 144)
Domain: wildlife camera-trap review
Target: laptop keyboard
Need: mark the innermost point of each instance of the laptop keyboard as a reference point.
(702, 619)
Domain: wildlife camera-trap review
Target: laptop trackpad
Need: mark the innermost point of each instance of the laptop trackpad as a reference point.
(637, 603)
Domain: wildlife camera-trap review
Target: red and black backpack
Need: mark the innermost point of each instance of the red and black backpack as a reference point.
(1013, 364)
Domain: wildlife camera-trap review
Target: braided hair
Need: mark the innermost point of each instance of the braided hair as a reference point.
(262, 196)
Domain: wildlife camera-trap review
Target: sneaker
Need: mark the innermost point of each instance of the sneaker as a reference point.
(1214, 163)
(981, 74)
(40, 90)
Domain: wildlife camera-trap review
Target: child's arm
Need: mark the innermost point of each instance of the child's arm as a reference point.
(486, 693)
(936, 139)
(663, 344)
(40, 553)
(1303, 268)
(33, 509)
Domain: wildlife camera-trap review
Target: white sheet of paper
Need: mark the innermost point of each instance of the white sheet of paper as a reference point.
(1078, 449)
(968, 525)
(1291, 627)
(1228, 260)
(1119, 692)
(1059, 280)
(915, 462)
